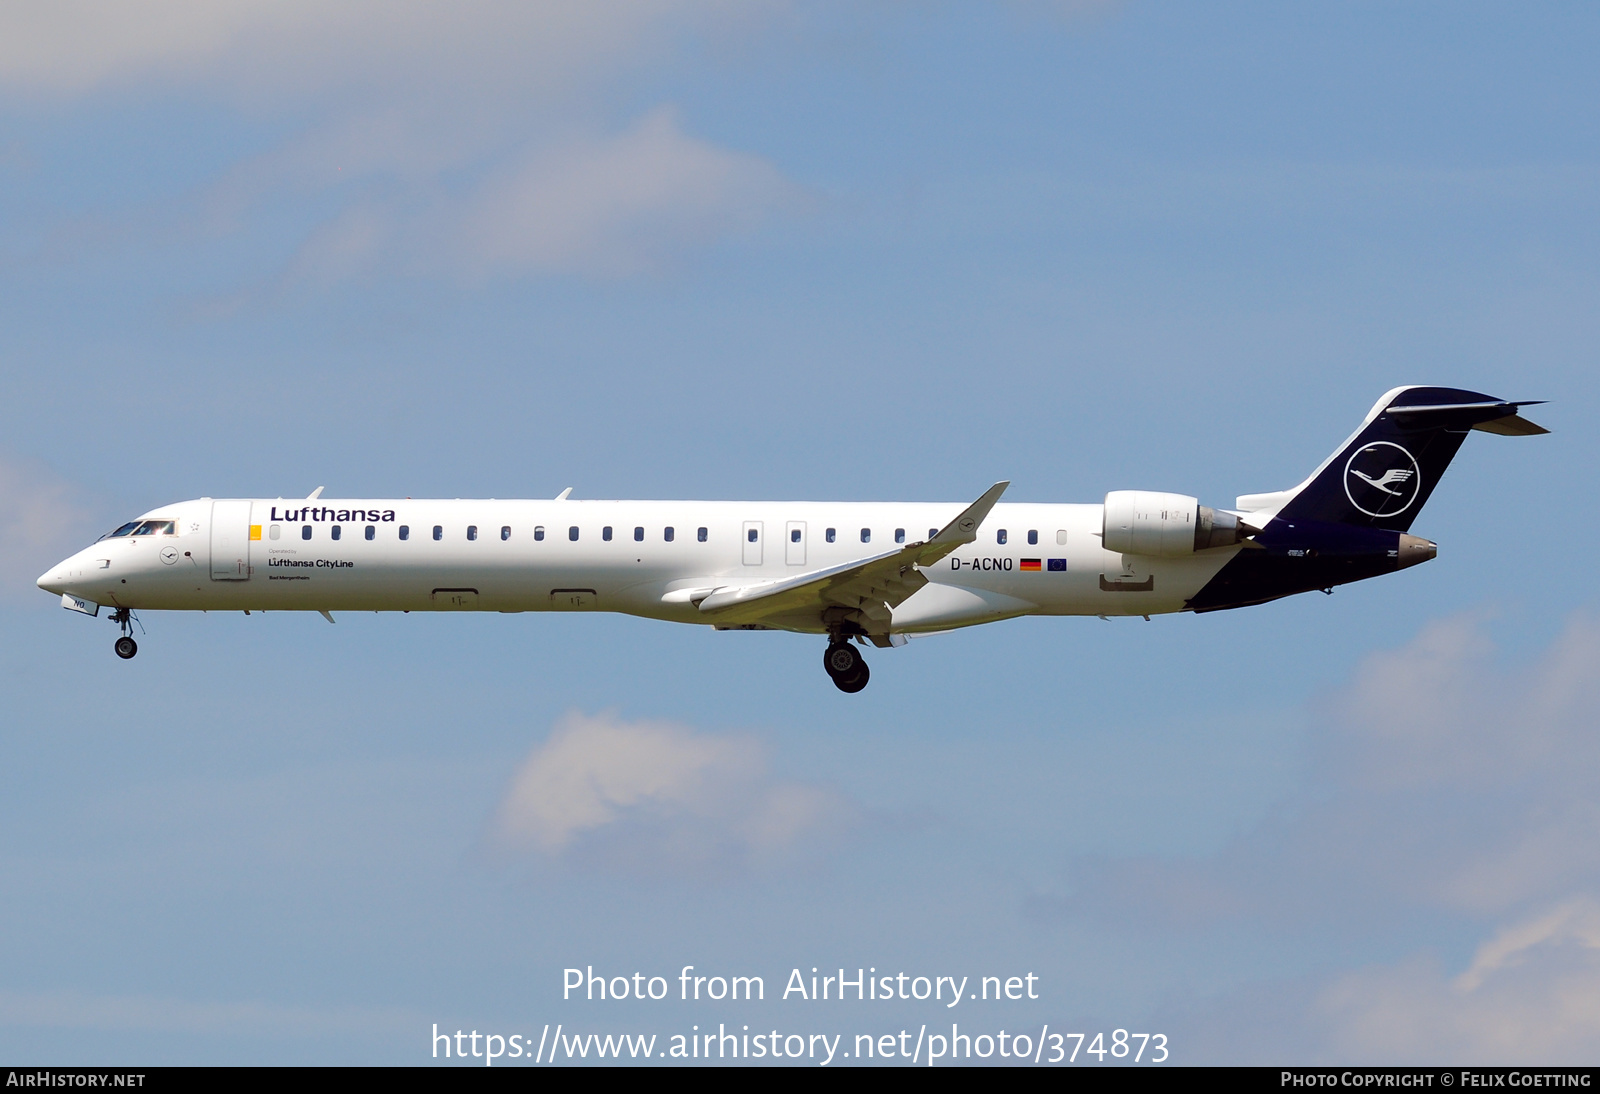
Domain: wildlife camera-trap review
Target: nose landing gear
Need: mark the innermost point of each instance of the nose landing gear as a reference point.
(125, 646)
(844, 664)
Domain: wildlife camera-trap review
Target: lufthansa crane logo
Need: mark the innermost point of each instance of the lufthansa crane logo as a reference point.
(1382, 479)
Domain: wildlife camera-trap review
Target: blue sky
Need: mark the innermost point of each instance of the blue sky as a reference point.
(820, 251)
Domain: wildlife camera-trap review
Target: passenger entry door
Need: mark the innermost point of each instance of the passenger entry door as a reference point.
(794, 543)
(230, 540)
(751, 538)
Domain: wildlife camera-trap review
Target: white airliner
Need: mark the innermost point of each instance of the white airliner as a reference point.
(849, 570)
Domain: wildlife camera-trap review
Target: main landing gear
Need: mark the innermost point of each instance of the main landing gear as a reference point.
(125, 646)
(845, 665)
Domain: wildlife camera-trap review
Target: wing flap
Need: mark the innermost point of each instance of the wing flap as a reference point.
(872, 586)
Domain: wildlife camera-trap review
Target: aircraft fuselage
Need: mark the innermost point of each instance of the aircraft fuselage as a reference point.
(525, 556)
(855, 571)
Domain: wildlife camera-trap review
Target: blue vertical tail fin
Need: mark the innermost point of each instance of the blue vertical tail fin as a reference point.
(1384, 473)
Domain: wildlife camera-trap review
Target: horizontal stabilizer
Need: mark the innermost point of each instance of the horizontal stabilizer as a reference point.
(1512, 425)
(1493, 416)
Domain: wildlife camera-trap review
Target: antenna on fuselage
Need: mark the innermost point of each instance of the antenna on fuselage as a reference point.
(315, 494)
(564, 494)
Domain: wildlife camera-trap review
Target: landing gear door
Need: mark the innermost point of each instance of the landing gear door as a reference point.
(230, 540)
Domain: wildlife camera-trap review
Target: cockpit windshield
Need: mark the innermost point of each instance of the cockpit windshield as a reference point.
(145, 528)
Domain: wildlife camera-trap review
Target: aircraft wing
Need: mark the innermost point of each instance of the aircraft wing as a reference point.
(864, 591)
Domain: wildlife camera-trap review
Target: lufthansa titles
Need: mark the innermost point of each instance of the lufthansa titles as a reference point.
(312, 564)
(317, 513)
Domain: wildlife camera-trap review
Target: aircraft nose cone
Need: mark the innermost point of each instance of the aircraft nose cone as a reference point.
(58, 577)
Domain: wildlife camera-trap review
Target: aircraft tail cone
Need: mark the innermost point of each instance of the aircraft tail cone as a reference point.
(1415, 549)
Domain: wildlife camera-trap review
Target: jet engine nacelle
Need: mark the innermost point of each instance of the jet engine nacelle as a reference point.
(1145, 522)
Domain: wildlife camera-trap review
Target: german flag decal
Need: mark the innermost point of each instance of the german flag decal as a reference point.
(1031, 564)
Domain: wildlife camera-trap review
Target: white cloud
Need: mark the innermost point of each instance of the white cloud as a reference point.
(617, 205)
(1576, 921)
(1449, 794)
(1532, 993)
(462, 140)
(41, 521)
(659, 797)
(1441, 781)
(80, 1010)
(1470, 784)
(278, 49)
(599, 206)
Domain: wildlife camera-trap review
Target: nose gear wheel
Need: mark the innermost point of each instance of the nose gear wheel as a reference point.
(125, 646)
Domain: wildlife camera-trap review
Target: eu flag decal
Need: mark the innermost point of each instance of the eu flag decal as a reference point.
(1031, 564)
(1058, 565)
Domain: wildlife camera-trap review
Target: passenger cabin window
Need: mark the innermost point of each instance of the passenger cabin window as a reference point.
(1033, 536)
(899, 535)
(472, 531)
(275, 531)
(1061, 536)
(794, 535)
(438, 531)
(538, 533)
(371, 532)
(866, 535)
(1000, 536)
(405, 531)
(667, 533)
(572, 533)
(751, 535)
(932, 532)
(830, 535)
(505, 531)
(305, 531)
(700, 534)
(605, 533)
(336, 530)
(638, 534)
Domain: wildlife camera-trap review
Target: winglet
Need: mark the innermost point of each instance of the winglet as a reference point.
(315, 494)
(564, 494)
(964, 529)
